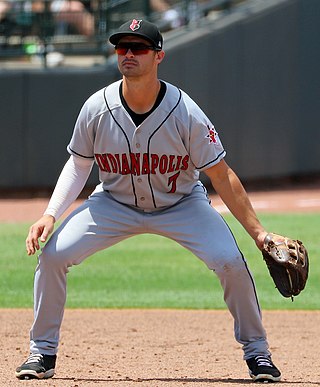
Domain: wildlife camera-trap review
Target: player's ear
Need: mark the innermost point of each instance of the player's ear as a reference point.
(159, 56)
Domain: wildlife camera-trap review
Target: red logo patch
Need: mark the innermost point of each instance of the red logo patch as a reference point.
(135, 25)
(212, 135)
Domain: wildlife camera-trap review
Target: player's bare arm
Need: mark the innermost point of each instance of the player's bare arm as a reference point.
(41, 229)
(228, 186)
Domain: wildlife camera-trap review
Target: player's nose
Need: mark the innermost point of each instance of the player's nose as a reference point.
(129, 53)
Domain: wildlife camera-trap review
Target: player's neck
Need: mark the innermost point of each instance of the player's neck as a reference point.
(140, 96)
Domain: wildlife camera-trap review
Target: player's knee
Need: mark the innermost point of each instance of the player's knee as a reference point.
(227, 262)
(52, 259)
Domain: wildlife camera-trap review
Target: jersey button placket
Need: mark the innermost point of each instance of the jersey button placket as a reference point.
(137, 148)
(136, 139)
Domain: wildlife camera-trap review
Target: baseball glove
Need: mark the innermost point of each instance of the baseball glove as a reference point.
(288, 263)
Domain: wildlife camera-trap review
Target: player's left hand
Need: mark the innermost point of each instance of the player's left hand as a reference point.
(288, 263)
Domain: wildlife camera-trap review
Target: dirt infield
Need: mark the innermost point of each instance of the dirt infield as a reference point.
(286, 200)
(156, 348)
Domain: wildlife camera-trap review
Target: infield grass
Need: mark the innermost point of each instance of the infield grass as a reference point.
(149, 271)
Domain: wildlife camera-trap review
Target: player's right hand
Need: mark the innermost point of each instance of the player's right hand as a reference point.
(41, 229)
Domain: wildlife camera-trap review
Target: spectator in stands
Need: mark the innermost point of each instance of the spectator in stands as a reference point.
(71, 12)
(4, 8)
(169, 14)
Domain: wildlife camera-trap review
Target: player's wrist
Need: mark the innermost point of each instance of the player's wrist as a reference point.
(259, 238)
(47, 214)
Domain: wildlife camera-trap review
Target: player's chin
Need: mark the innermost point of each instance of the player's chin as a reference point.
(131, 75)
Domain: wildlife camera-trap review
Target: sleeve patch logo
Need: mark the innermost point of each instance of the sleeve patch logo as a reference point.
(212, 135)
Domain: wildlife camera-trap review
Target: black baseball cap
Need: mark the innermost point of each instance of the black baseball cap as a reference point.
(141, 28)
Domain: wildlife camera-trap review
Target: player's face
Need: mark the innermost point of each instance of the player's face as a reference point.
(139, 61)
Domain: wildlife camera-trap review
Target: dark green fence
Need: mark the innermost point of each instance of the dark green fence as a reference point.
(255, 73)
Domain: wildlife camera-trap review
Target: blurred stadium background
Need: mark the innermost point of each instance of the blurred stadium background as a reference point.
(81, 27)
(252, 65)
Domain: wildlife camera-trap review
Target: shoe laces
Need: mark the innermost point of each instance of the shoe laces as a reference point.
(34, 358)
(263, 361)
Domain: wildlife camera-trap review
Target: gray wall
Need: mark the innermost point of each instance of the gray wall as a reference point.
(38, 110)
(257, 76)
(255, 73)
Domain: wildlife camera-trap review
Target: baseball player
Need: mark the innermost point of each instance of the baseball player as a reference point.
(150, 141)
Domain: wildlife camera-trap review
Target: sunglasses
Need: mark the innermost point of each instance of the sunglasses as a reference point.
(135, 47)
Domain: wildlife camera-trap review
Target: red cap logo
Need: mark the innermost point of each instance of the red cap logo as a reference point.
(135, 25)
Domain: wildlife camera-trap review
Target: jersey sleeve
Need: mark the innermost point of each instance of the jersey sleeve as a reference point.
(206, 148)
(83, 137)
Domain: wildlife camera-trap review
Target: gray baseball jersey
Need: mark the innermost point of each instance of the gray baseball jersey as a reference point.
(155, 164)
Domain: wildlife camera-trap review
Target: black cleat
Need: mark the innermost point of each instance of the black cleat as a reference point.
(37, 366)
(261, 369)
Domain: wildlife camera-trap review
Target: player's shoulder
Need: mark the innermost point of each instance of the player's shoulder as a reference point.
(98, 99)
(184, 102)
(96, 104)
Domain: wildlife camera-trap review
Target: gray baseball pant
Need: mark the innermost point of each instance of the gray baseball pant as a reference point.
(101, 222)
